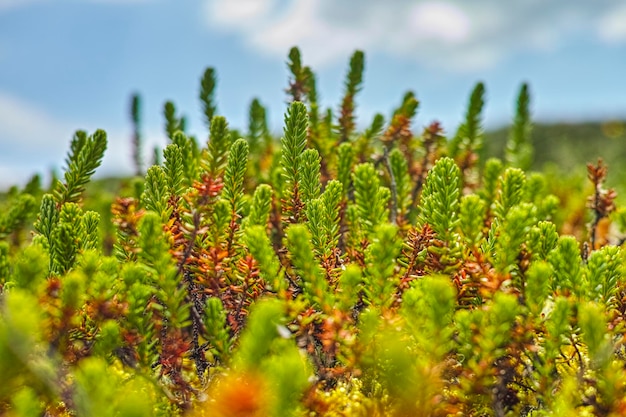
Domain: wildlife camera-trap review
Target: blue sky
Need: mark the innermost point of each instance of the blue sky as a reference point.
(73, 64)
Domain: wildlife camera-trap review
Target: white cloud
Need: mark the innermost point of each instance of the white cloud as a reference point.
(34, 141)
(439, 21)
(28, 125)
(240, 12)
(13, 4)
(322, 41)
(451, 34)
(612, 26)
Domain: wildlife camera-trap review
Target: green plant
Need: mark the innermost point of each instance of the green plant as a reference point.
(398, 275)
(135, 114)
(519, 152)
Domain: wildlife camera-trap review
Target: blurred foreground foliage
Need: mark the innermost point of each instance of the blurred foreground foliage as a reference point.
(333, 272)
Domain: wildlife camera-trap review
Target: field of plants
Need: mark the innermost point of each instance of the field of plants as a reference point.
(334, 271)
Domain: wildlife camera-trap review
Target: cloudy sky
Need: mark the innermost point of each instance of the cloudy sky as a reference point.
(73, 64)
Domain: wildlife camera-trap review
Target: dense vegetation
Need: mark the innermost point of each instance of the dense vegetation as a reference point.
(333, 272)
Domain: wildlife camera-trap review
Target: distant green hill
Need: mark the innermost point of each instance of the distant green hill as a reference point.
(570, 145)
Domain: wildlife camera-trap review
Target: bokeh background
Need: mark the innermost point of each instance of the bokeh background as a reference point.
(73, 64)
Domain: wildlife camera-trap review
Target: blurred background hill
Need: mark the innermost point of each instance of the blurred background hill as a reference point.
(567, 147)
